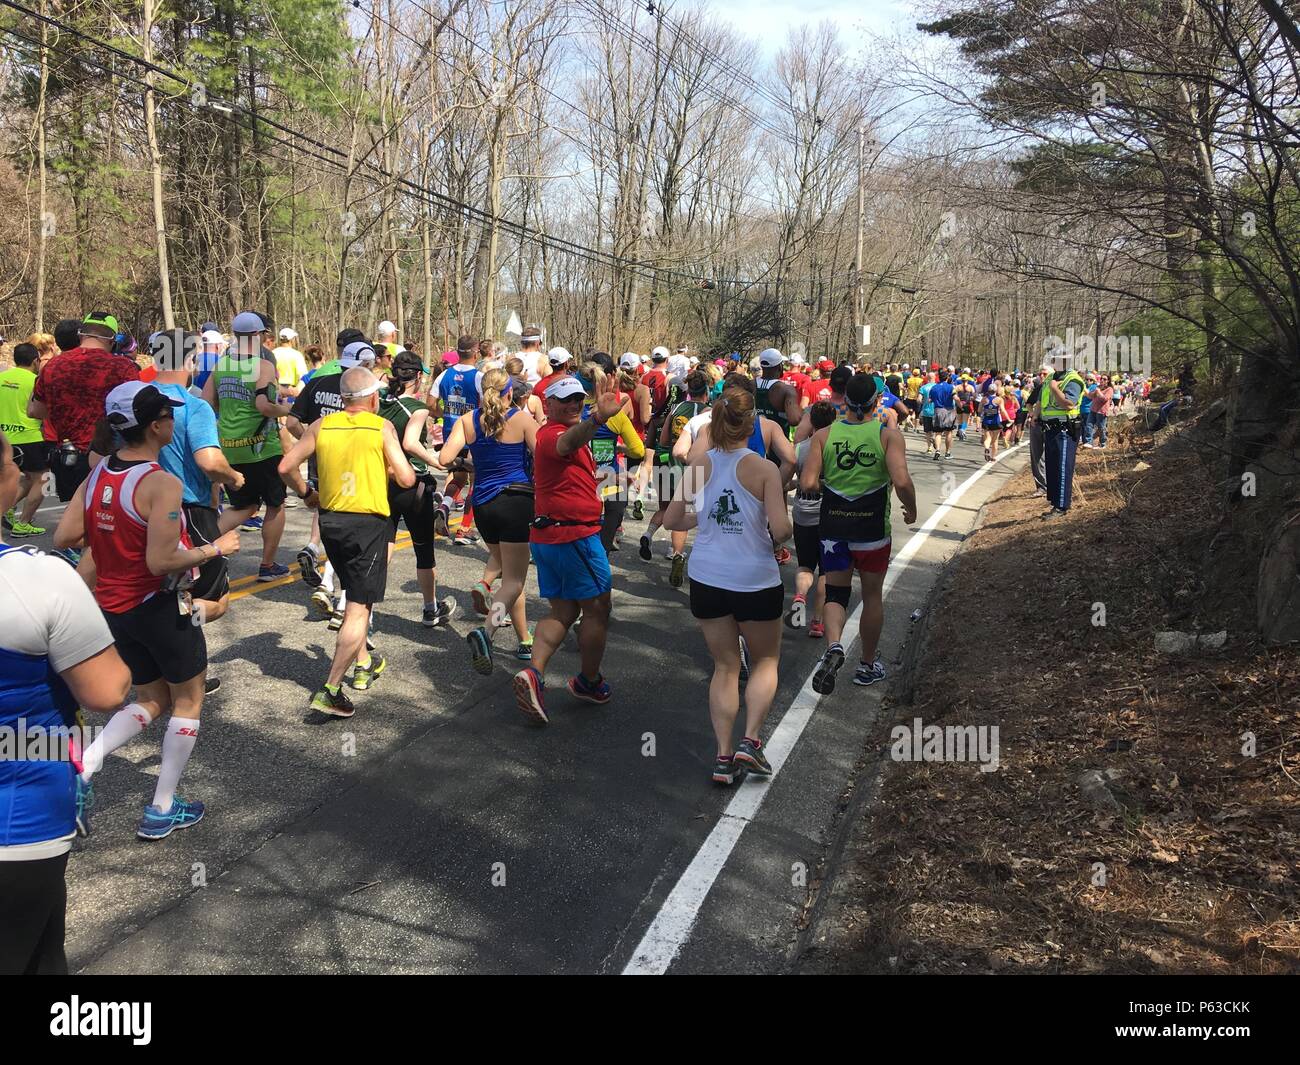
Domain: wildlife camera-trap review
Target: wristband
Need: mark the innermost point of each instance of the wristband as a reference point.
(217, 550)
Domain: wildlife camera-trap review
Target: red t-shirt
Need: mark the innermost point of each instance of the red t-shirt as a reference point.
(539, 389)
(565, 489)
(819, 390)
(657, 382)
(73, 388)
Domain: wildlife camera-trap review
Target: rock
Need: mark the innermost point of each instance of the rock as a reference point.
(1278, 592)
(1141, 466)
(1178, 643)
(1095, 786)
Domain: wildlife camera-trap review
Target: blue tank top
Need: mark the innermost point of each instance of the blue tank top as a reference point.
(756, 443)
(459, 395)
(38, 799)
(496, 464)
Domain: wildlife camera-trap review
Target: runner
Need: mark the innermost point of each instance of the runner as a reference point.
(857, 461)
(386, 338)
(242, 390)
(30, 454)
(839, 381)
(129, 513)
(944, 397)
(927, 415)
(776, 399)
(403, 406)
(356, 453)
(530, 354)
(500, 437)
(290, 365)
(641, 412)
(806, 515)
(669, 473)
(456, 395)
(558, 360)
(993, 414)
(736, 591)
(572, 567)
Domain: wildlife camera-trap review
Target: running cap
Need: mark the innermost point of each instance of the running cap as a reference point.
(565, 388)
(826, 366)
(209, 325)
(770, 357)
(798, 360)
(629, 360)
(449, 357)
(407, 365)
(386, 327)
(100, 324)
(213, 336)
(557, 357)
(347, 336)
(659, 354)
(358, 353)
(288, 334)
(247, 323)
(694, 360)
(135, 403)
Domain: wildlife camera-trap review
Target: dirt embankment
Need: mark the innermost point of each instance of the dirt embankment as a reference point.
(1146, 809)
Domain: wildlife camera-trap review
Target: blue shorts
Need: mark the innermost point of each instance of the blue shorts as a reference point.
(577, 570)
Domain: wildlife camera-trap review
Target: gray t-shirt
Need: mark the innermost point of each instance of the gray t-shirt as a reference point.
(804, 511)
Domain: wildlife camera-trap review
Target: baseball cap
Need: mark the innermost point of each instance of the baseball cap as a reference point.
(102, 323)
(449, 357)
(347, 336)
(659, 354)
(798, 360)
(694, 360)
(557, 357)
(565, 388)
(246, 322)
(629, 360)
(386, 327)
(358, 353)
(288, 334)
(212, 336)
(826, 366)
(770, 357)
(532, 334)
(209, 326)
(135, 403)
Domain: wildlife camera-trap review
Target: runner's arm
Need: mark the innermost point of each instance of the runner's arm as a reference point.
(398, 466)
(697, 448)
(804, 429)
(210, 393)
(163, 553)
(267, 379)
(413, 439)
(793, 406)
(212, 461)
(779, 443)
(642, 395)
(896, 462)
(101, 682)
(456, 443)
(296, 456)
(778, 517)
(632, 445)
(811, 476)
(71, 530)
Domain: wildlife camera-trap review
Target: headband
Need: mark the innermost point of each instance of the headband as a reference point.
(369, 390)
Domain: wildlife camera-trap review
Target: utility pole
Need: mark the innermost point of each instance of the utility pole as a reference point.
(860, 308)
(155, 166)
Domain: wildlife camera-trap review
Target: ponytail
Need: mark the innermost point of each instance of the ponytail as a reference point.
(494, 402)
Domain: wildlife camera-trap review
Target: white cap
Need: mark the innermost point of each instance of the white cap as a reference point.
(358, 353)
(386, 327)
(770, 357)
(565, 388)
(693, 360)
(558, 357)
(132, 401)
(798, 360)
(629, 360)
(211, 336)
(659, 354)
(907, 366)
(288, 334)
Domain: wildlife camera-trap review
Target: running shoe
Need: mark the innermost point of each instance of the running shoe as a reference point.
(440, 520)
(464, 538)
(253, 524)
(323, 603)
(307, 568)
(85, 800)
(22, 528)
(936, 456)
(869, 673)
(336, 620)
(644, 549)
(744, 661)
(159, 824)
(364, 676)
(727, 770)
(783, 556)
(817, 630)
(988, 455)
(638, 511)
(70, 555)
(481, 594)
(524, 652)
(480, 650)
(530, 694)
(438, 614)
(272, 572)
(677, 570)
(336, 703)
(749, 753)
(290, 501)
(823, 681)
(592, 693)
(1053, 513)
(798, 610)
(8, 520)
(212, 685)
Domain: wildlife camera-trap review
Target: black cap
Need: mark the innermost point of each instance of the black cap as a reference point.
(407, 365)
(840, 378)
(348, 336)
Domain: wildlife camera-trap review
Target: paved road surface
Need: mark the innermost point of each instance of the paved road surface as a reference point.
(438, 830)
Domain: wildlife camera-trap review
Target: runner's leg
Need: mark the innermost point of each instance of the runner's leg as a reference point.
(722, 637)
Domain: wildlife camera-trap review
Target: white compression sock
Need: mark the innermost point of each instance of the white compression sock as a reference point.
(327, 581)
(178, 745)
(122, 727)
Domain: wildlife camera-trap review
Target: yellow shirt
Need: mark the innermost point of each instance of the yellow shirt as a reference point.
(914, 387)
(350, 463)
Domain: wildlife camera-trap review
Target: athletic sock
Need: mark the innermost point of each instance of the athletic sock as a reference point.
(837, 646)
(122, 727)
(327, 580)
(653, 528)
(178, 745)
(756, 742)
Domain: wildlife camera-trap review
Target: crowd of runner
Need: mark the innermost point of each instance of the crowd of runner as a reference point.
(164, 457)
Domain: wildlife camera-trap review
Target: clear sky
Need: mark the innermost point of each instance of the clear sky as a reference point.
(769, 20)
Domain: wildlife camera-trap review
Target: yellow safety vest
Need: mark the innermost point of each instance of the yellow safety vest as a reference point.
(1047, 402)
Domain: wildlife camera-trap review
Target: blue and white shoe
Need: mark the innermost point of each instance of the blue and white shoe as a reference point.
(272, 571)
(480, 650)
(252, 524)
(869, 674)
(85, 800)
(156, 825)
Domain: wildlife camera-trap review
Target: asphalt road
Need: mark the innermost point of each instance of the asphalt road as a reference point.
(438, 830)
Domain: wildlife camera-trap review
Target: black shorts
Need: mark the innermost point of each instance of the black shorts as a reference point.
(213, 580)
(157, 640)
(807, 546)
(667, 476)
(357, 546)
(68, 475)
(33, 457)
(709, 602)
(414, 506)
(927, 422)
(504, 519)
(262, 484)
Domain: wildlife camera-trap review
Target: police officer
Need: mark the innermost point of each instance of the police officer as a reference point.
(1058, 411)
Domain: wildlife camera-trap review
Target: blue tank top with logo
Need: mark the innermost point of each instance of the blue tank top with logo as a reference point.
(496, 465)
(458, 392)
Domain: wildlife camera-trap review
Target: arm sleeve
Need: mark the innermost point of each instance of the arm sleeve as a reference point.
(631, 441)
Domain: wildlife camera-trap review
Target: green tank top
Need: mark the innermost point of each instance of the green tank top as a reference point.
(398, 410)
(246, 434)
(763, 403)
(853, 460)
(16, 386)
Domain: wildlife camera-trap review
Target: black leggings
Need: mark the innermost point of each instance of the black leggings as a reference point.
(614, 511)
(31, 934)
(414, 506)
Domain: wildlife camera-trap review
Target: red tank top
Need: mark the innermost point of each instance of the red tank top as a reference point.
(118, 535)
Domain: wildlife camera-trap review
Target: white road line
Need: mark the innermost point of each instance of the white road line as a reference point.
(672, 925)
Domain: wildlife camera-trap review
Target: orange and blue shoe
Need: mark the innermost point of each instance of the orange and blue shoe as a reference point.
(530, 694)
(596, 691)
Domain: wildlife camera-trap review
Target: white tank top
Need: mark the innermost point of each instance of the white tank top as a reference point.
(732, 546)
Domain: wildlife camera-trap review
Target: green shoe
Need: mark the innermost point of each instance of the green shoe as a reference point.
(22, 528)
(364, 676)
(335, 703)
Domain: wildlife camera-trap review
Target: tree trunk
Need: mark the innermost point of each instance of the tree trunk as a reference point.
(155, 167)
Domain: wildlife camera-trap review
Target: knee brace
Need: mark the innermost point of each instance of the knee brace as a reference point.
(424, 556)
(838, 594)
